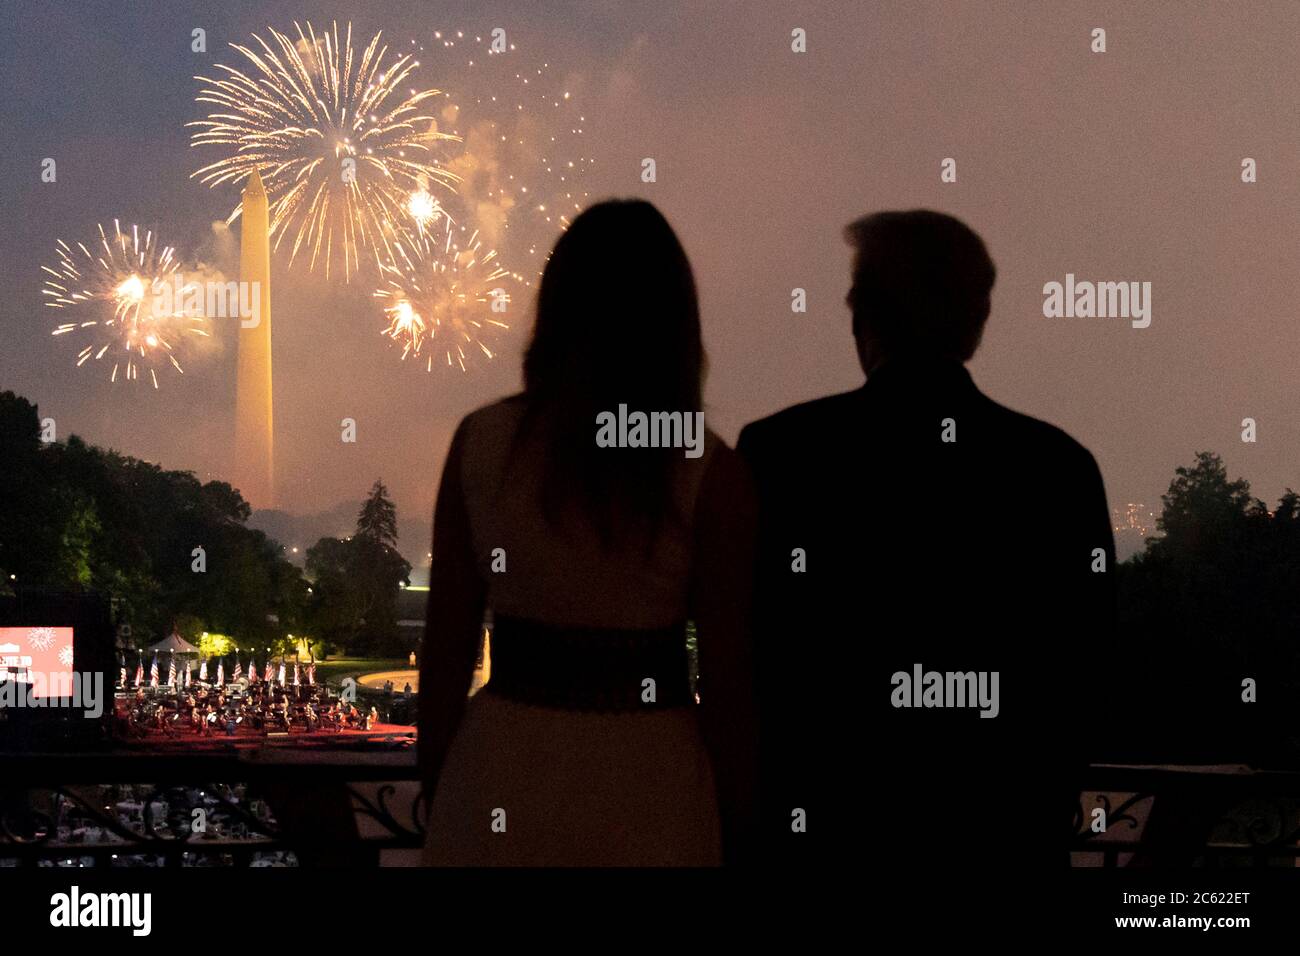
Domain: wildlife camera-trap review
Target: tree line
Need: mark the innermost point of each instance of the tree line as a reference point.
(1206, 662)
(77, 518)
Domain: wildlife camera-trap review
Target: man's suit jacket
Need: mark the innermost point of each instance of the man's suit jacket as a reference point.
(937, 530)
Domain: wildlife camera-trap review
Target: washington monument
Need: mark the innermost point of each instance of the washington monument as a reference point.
(254, 473)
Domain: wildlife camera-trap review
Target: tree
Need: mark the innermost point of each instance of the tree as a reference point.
(1202, 506)
(78, 524)
(378, 518)
(336, 609)
(355, 581)
(379, 569)
(34, 519)
(73, 517)
(1205, 606)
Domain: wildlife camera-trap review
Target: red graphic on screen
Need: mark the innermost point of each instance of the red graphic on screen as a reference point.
(40, 656)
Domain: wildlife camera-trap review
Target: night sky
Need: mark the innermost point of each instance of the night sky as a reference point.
(1122, 166)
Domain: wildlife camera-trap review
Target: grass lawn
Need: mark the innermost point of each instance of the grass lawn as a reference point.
(336, 669)
(391, 710)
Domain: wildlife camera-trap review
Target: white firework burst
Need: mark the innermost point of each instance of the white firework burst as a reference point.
(41, 638)
(65, 655)
(338, 135)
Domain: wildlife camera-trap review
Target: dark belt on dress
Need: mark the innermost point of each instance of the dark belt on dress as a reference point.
(593, 669)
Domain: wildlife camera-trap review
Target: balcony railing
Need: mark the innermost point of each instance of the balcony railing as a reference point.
(350, 807)
(1176, 816)
(326, 807)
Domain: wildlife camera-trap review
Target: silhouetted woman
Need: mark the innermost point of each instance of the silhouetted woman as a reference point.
(587, 745)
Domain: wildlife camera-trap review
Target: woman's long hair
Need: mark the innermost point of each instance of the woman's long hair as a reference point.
(618, 323)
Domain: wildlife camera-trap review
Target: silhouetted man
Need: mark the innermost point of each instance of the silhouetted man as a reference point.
(934, 589)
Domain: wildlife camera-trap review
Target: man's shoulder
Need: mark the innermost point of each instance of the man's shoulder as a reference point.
(1042, 437)
(798, 420)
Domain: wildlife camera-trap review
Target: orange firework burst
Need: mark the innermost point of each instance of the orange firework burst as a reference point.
(447, 298)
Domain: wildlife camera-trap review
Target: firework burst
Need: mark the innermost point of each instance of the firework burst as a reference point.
(426, 212)
(445, 298)
(341, 148)
(115, 285)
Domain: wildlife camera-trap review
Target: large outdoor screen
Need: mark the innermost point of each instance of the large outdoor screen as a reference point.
(39, 656)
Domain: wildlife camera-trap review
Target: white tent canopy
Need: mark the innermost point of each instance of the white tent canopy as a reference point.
(174, 642)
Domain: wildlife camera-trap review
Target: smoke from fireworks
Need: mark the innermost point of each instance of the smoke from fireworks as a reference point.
(340, 148)
(117, 289)
(520, 170)
(445, 298)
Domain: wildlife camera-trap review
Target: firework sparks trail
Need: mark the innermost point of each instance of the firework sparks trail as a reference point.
(118, 290)
(445, 298)
(342, 151)
(523, 160)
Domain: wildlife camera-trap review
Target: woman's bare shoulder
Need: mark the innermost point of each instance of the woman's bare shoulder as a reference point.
(501, 415)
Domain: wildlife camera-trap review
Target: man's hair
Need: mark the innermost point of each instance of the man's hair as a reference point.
(921, 283)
